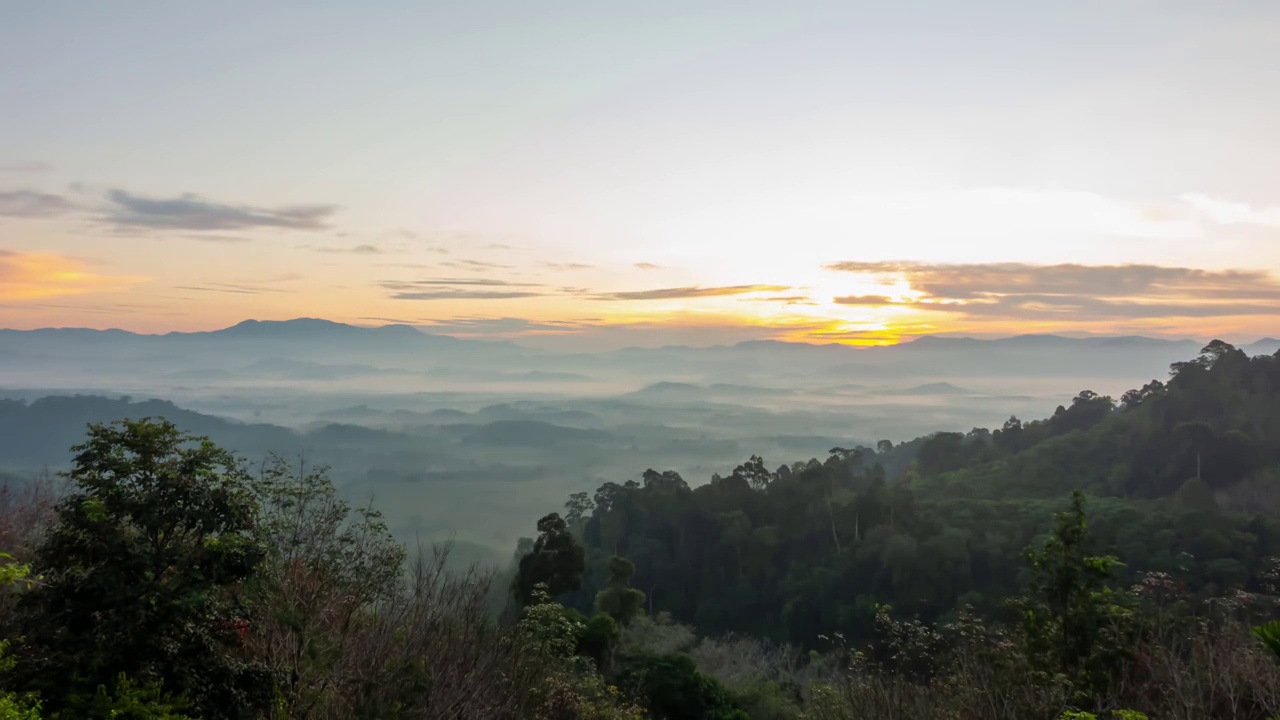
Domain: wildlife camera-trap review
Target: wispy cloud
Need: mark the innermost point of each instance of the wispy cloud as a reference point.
(34, 276)
(647, 266)
(98, 309)
(432, 282)
(454, 294)
(690, 292)
(568, 266)
(785, 299)
(389, 320)
(204, 237)
(508, 326)
(475, 265)
(1070, 292)
(31, 204)
(128, 211)
(363, 249)
(460, 289)
(233, 288)
(863, 300)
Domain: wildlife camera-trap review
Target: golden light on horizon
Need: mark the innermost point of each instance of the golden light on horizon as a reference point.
(39, 275)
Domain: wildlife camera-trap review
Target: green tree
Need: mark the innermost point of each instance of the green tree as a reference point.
(1071, 616)
(557, 560)
(672, 688)
(126, 701)
(619, 600)
(137, 575)
(578, 508)
(12, 705)
(598, 639)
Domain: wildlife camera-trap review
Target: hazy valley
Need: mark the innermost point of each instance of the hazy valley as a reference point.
(472, 439)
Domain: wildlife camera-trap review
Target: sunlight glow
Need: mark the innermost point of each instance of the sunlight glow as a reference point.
(35, 276)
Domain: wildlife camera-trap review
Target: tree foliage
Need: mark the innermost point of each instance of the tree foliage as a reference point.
(138, 575)
(618, 599)
(556, 561)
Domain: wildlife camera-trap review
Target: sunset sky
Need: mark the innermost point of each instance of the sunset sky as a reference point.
(644, 172)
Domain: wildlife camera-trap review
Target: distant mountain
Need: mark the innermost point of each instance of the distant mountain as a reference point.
(40, 431)
(308, 330)
(751, 371)
(668, 390)
(1265, 346)
(362, 411)
(934, 388)
(745, 390)
(305, 348)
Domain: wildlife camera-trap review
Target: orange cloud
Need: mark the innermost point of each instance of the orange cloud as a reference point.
(35, 276)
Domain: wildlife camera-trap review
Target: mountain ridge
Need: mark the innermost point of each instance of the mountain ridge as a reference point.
(304, 328)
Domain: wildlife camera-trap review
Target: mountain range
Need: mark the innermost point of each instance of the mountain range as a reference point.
(328, 331)
(406, 358)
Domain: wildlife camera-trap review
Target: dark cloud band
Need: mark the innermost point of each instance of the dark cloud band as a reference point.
(190, 212)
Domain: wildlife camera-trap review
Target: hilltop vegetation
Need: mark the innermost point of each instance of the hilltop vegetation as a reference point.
(1184, 475)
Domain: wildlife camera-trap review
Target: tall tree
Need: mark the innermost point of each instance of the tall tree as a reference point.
(618, 599)
(1071, 614)
(138, 575)
(557, 560)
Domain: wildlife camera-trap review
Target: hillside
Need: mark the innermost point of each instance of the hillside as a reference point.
(1184, 474)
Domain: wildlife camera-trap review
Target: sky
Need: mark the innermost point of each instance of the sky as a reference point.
(644, 173)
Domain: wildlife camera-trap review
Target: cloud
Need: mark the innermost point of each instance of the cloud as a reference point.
(363, 249)
(234, 288)
(97, 309)
(690, 292)
(248, 286)
(475, 265)
(863, 300)
(30, 203)
(1226, 212)
(389, 320)
(460, 289)
(568, 266)
(202, 237)
(448, 294)
(647, 266)
(25, 167)
(508, 326)
(432, 282)
(34, 276)
(784, 299)
(190, 212)
(1070, 292)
